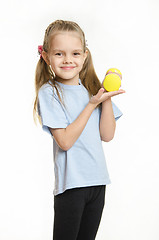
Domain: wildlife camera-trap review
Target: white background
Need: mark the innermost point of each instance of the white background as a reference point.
(122, 34)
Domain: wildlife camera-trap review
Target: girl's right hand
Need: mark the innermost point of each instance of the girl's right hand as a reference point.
(103, 95)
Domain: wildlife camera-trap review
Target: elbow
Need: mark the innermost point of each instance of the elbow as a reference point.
(61, 140)
(107, 134)
(107, 138)
(65, 146)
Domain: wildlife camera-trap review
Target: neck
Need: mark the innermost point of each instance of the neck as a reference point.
(68, 81)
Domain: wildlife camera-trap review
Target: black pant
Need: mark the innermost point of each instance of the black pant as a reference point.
(78, 213)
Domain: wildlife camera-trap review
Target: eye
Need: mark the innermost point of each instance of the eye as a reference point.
(76, 53)
(58, 54)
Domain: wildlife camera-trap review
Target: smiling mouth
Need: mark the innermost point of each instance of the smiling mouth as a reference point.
(67, 68)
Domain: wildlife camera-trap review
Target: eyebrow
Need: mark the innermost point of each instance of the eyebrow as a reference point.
(59, 50)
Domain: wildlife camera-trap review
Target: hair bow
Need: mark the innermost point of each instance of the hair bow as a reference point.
(40, 49)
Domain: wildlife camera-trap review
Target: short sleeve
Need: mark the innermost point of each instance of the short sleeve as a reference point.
(50, 109)
(117, 112)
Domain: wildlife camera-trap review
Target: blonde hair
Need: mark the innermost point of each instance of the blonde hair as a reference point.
(44, 74)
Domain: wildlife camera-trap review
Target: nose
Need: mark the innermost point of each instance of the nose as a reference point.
(67, 59)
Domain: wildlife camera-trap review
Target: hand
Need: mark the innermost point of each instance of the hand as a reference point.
(103, 95)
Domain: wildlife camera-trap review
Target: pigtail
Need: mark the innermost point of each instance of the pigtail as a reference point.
(89, 77)
(44, 74)
(40, 73)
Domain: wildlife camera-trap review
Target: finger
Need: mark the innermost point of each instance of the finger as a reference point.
(114, 93)
(100, 92)
(121, 91)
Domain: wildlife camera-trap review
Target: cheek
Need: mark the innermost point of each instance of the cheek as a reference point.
(81, 65)
(54, 62)
(81, 61)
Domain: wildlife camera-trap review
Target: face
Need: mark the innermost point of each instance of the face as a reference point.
(67, 57)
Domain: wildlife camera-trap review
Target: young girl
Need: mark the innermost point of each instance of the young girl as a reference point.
(78, 113)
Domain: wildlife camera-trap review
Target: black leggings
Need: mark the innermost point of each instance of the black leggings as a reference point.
(78, 213)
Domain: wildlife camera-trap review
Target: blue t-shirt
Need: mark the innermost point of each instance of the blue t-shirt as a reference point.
(84, 163)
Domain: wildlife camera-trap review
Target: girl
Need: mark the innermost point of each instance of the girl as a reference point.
(78, 113)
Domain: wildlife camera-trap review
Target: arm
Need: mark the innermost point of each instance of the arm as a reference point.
(66, 137)
(107, 121)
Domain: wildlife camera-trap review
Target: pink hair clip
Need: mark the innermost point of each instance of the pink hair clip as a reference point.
(40, 49)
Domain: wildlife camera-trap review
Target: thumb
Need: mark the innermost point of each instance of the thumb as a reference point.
(100, 92)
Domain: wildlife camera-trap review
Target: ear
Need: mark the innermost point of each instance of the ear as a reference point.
(85, 55)
(45, 57)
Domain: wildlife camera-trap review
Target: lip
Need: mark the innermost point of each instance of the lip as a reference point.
(67, 67)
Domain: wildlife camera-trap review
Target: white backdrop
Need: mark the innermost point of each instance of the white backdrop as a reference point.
(122, 34)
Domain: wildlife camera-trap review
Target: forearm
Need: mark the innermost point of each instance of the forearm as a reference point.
(74, 130)
(107, 121)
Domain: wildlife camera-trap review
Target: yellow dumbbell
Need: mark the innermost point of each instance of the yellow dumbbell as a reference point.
(112, 81)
